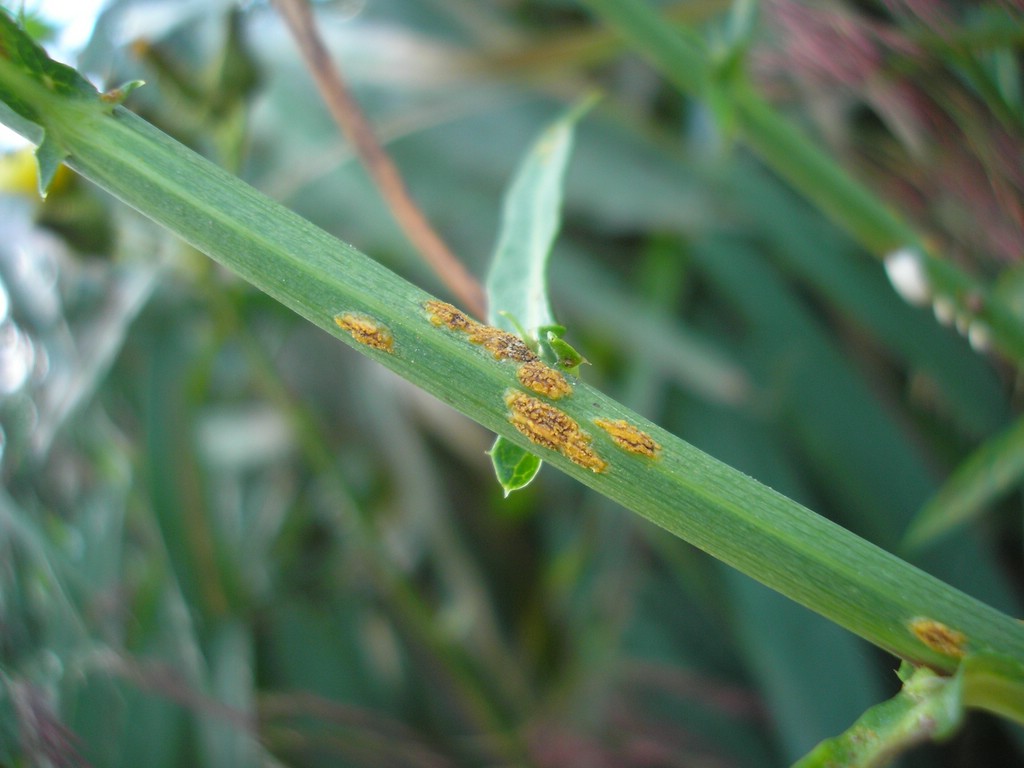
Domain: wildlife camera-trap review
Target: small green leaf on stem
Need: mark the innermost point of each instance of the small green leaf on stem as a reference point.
(118, 95)
(514, 467)
(49, 157)
(558, 350)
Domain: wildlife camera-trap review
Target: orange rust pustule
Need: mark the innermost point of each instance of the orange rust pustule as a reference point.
(939, 637)
(366, 331)
(543, 379)
(549, 427)
(629, 438)
(502, 344)
(441, 313)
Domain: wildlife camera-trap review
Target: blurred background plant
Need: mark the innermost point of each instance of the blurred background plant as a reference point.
(228, 540)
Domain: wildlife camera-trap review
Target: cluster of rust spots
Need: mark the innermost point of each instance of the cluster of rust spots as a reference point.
(543, 424)
(939, 637)
(549, 427)
(502, 344)
(629, 438)
(543, 379)
(366, 331)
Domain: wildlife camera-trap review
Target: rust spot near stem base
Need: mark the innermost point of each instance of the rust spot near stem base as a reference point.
(939, 637)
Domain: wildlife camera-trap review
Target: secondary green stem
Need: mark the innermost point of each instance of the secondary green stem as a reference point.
(685, 61)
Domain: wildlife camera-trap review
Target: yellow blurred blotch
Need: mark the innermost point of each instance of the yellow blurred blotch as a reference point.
(19, 175)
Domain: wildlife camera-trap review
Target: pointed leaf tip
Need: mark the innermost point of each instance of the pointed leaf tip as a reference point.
(49, 157)
(117, 95)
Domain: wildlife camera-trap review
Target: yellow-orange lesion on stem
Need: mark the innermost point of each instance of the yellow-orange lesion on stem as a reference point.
(549, 427)
(366, 331)
(629, 438)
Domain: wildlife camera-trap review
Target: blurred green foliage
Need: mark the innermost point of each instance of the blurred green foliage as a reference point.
(227, 540)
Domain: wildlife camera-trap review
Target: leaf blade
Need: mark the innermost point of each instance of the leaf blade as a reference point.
(992, 470)
(531, 217)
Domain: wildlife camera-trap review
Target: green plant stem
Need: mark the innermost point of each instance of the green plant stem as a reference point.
(758, 531)
(928, 707)
(792, 155)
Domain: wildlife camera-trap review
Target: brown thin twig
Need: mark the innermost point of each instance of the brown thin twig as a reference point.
(350, 118)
